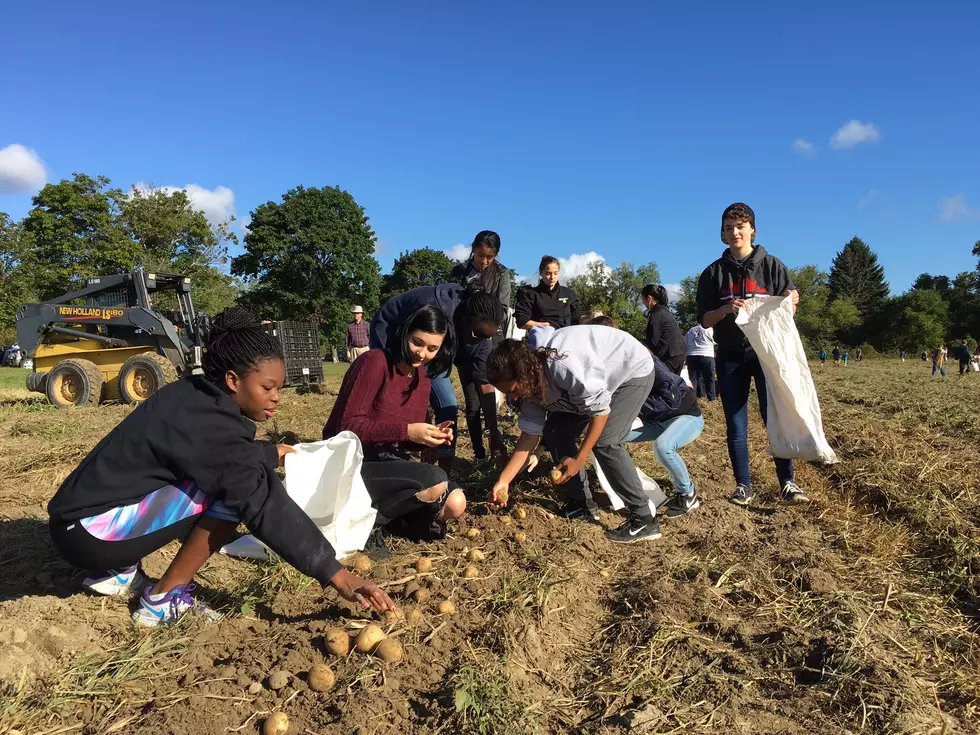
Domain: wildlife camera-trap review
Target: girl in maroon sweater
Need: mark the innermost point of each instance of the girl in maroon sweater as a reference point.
(383, 400)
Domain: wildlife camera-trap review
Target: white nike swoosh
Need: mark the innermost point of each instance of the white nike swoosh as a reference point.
(633, 533)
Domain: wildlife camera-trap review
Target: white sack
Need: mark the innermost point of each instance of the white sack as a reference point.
(794, 425)
(655, 495)
(324, 478)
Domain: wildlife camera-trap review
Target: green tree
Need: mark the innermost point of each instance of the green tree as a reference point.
(75, 234)
(856, 274)
(964, 306)
(686, 306)
(917, 320)
(615, 292)
(310, 257)
(818, 318)
(933, 283)
(174, 238)
(16, 286)
(422, 267)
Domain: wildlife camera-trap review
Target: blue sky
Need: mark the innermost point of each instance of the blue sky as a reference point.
(622, 129)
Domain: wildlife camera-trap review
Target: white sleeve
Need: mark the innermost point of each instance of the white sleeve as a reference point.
(532, 418)
(587, 389)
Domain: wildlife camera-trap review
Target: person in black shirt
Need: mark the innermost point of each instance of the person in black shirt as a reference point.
(184, 465)
(663, 336)
(549, 304)
(484, 269)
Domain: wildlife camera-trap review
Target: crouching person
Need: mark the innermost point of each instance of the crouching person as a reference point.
(591, 379)
(671, 420)
(184, 465)
(383, 400)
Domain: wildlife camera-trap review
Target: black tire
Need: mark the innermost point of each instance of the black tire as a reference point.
(74, 383)
(143, 375)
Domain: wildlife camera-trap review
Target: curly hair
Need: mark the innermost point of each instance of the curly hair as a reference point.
(740, 213)
(514, 360)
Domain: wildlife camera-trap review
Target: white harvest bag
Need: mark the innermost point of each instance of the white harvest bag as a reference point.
(656, 496)
(324, 478)
(794, 424)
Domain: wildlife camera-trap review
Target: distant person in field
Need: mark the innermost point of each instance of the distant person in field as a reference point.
(663, 335)
(357, 335)
(549, 304)
(963, 355)
(924, 356)
(836, 353)
(902, 355)
(701, 360)
(858, 355)
(847, 357)
(939, 361)
(184, 466)
(743, 271)
(823, 356)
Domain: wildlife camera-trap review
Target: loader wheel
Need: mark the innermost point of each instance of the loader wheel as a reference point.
(74, 383)
(143, 375)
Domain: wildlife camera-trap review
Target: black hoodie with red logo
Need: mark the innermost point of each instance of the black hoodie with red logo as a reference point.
(759, 274)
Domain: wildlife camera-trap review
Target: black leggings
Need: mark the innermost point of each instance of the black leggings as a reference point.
(85, 551)
(474, 424)
(394, 485)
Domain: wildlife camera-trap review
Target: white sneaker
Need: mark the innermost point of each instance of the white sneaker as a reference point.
(170, 607)
(117, 582)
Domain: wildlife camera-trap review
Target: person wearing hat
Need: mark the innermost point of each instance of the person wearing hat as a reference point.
(357, 335)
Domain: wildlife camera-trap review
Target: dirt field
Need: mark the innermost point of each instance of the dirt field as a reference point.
(856, 614)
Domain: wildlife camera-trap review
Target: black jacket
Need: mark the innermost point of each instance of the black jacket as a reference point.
(760, 274)
(663, 336)
(558, 306)
(190, 430)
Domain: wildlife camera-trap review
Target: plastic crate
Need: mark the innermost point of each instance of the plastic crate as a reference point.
(301, 348)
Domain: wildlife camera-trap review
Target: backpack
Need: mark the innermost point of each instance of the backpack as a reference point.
(669, 391)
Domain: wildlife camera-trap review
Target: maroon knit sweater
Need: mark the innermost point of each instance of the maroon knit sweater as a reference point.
(377, 402)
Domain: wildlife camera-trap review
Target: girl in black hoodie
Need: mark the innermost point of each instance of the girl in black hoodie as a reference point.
(184, 465)
(744, 271)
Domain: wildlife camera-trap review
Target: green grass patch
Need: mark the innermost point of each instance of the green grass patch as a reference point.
(13, 378)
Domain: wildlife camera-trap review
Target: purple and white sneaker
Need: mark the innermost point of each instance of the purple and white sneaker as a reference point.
(117, 582)
(154, 610)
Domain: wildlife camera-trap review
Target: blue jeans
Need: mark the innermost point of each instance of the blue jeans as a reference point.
(937, 369)
(667, 437)
(735, 374)
(442, 400)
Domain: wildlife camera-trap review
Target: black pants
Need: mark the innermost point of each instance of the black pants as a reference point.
(474, 422)
(562, 432)
(394, 485)
(964, 366)
(701, 370)
(675, 363)
(85, 551)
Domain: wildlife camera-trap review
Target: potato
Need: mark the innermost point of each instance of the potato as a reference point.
(321, 678)
(475, 555)
(505, 520)
(420, 595)
(471, 572)
(520, 537)
(519, 513)
(390, 650)
(276, 724)
(255, 688)
(503, 497)
(424, 564)
(555, 475)
(446, 607)
(603, 573)
(369, 637)
(415, 616)
(337, 641)
(278, 679)
(473, 533)
(362, 564)
(393, 617)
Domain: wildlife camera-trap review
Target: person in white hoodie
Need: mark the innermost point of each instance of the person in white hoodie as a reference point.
(590, 379)
(701, 360)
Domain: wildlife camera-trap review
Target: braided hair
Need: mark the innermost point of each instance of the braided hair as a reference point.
(482, 308)
(236, 342)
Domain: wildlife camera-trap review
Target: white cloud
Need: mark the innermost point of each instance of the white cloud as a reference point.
(217, 204)
(21, 169)
(574, 265)
(803, 147)
(673, 292)
(854, 132)
(459, 252)
(954, 208)
(868, 198)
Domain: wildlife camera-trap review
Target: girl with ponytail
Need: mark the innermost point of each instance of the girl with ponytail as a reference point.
(663, 335)
(184, 465)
